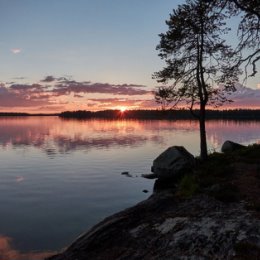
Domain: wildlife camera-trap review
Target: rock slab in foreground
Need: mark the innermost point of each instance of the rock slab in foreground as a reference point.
(172, 162)
(163, 228)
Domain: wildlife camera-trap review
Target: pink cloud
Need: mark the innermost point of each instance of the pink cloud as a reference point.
(67, 87)
(16, 50)
(129, 103)
(26, 87)
(22, 96)
(58, 94)
(51, 108)
(244, 97)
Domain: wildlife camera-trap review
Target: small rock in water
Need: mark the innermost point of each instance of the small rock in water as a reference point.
(127, 174)
(150, 176)
(145, 191)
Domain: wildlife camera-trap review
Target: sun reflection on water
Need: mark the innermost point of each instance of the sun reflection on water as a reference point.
(8, 252)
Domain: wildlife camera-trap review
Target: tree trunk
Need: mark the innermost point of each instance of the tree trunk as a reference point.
(203, 139)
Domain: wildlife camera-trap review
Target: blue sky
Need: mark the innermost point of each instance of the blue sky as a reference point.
(105, 44)
(98, 40)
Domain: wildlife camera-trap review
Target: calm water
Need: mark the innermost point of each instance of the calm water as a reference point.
(59, 177)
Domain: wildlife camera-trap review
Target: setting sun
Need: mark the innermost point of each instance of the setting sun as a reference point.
(122, 109)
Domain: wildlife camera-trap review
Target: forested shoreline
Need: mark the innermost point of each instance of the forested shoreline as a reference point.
(237, 114)
(234, 114)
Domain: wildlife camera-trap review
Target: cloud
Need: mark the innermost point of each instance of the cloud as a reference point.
(27, 87)
(245, 97)
(78, 96)
(123, 102)
(19, 78)
(67, 87)
(148, 103)
(16, 50)
(51, 78)
(18, 95)
(19, 179)
(62, 90)
(51, 108)
(62, 93)
(48, 79)
(109, 100)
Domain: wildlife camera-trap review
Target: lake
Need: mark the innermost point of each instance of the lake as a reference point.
(59, 177)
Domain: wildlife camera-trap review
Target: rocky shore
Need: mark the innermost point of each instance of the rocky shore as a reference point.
(211, 212)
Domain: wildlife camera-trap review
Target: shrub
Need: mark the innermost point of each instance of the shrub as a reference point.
(188, 186)
(227, 193)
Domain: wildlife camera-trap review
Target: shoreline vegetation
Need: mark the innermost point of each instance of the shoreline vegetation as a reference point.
(180, 114)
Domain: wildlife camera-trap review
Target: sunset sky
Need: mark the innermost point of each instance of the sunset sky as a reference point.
(61, 55)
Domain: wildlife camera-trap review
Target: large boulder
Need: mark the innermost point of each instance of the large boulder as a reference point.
(230, 146)
(173, 162)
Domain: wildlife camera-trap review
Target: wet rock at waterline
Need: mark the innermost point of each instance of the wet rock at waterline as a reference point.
(150, 176)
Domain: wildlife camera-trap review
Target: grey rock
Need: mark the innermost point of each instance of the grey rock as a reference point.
(164, 228)
(230, 146)
(172, 162)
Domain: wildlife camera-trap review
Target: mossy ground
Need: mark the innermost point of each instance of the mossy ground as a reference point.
(228, 177)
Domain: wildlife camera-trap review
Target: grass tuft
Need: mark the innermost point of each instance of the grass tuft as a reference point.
(188, 186)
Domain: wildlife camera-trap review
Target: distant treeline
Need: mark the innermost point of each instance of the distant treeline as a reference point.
(13, 114)
(24, 114)
(236, 114)
(160, 114)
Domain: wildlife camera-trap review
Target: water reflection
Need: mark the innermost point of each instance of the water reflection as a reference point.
(245, 132)
(82, 183)
(65, 145)
(7, 252)
(57, 136)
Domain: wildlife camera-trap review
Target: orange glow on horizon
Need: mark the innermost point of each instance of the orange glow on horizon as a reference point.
(122, 109)
(58, 108)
